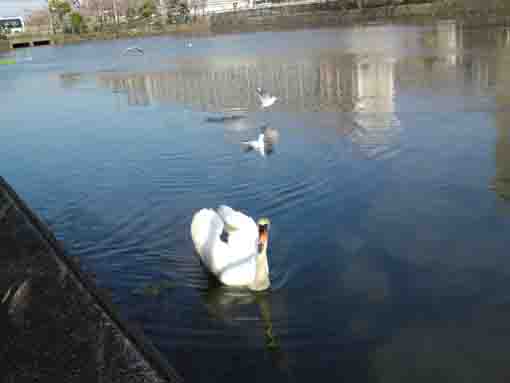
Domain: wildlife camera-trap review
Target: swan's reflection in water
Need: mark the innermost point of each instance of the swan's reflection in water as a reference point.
(237, 307)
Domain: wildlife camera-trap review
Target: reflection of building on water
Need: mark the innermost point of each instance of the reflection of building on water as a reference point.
(328, 84)
(300, 86)
(375, 91)
(501, 182)
(331, 84)
(502, 179)
(449, 40)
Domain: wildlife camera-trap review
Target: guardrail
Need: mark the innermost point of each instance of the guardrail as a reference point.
(22, 40)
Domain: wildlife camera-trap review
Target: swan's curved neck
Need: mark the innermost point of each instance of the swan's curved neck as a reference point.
(261, 281)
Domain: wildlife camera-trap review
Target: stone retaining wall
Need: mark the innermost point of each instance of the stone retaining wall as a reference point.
(55, 325)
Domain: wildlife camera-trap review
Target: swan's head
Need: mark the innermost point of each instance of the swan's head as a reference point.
(263, 224)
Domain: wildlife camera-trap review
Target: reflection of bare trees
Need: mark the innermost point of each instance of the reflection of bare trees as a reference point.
(449, 40)
(327, 83)
(330, 83)
(501, 182)
(502, 179)
(375, 106)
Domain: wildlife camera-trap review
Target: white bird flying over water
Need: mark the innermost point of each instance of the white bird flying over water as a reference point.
(266, 99)
(265, 142)
(133, 50)
(232, 246)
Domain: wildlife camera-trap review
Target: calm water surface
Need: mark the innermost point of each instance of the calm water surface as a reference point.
(388, 191)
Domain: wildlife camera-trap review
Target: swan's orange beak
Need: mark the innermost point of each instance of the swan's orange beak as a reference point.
(263, 225)
(263, 235)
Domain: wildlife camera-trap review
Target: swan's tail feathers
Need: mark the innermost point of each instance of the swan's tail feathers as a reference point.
(205, 226)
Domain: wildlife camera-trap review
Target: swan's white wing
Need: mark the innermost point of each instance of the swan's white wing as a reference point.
(240, 272)
(243, 232)
(233, 262)
(206, 226)
(234, 220)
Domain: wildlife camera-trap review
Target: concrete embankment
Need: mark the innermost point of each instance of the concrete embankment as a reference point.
(55, 325)
(4, 45)
(334, 13)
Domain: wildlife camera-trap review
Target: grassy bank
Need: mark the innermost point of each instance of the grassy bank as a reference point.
(119, 33)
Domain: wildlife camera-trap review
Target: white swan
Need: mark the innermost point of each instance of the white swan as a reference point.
(266, 100)
(232, 247)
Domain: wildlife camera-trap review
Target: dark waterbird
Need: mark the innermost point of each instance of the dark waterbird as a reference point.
(223, 119)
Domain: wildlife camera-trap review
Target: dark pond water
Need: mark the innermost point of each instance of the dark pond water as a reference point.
(388, 191)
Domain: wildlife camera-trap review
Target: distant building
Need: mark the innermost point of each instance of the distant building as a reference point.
(14, 24)
(202, 7)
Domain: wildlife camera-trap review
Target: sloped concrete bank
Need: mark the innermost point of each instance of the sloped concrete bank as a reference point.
(55, 325)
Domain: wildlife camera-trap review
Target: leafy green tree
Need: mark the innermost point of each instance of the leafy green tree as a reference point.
(59, 8)
(76, 21)
(148, 8)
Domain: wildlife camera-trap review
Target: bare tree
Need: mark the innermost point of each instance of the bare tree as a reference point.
(203, 6)
(39, 19)
(194, 4)
(98, 8)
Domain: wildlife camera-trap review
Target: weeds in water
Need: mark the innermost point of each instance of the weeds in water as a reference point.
(154, 289)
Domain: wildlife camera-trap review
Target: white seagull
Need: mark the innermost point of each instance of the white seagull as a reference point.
(265, 142)
(133, 50)
(266, 100)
